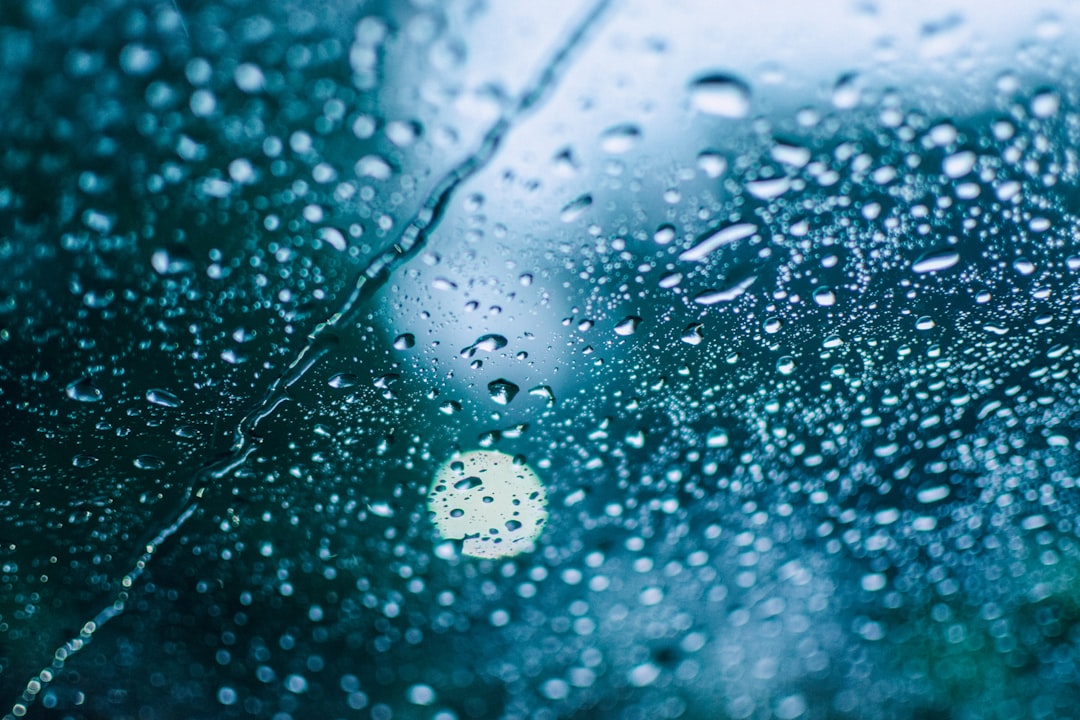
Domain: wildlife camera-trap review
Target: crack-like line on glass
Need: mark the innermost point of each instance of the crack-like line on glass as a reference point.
(323, 340)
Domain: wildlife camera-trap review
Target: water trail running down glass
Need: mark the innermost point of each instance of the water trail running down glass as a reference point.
(323, 340)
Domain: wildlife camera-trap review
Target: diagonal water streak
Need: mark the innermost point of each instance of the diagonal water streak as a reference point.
(323, 340)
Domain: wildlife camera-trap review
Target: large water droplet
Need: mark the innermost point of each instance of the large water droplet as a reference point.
(164, 398)
(716, 238)
(502, 391)
(721, 95)
(936, 260)
(628, 325)
(485, 343)
(620, 138)
(83, 390)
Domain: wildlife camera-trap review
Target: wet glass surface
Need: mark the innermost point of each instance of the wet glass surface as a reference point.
(480, 360)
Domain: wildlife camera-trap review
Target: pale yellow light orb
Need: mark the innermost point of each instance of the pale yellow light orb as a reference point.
(496, 507)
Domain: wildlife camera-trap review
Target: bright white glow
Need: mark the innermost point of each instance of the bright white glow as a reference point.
(496, 506)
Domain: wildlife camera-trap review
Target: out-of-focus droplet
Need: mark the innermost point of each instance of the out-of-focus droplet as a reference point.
(958, 164)
(712, 163)
(620, 138)
(846, 93)
(573, 209)
(404, 341)
(768, 189)
(172, 261)
(720, 94)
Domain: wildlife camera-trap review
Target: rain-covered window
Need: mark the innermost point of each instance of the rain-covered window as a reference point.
(563, 359)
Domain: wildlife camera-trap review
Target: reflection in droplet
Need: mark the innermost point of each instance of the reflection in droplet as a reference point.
(496, 506)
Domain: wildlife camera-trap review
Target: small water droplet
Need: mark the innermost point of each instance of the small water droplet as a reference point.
(84, 461)
(786, 365)
(772, 325)
(925, 323)
(404, 341)
(720, 94)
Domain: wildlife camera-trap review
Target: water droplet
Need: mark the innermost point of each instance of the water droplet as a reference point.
(1024, 266)
(712, 163)
(404, 341)
(958, 164)
(825, 297)
(620, 138)
(450, 407)
(83, 390)
(846, 93)
(343, 380)
(720, 94)
(628, 325)
(334, 238)
(772, 325)
(936, 260)
(149, 462)
(172, 261)
(164, 398)
(502, 391)
(708, 242)
(485, 343)
(573, 209)
(545, 392)
(664, 234)
(711, 297)
(692, 334)
(768, 189)
(374, 167)
(925, 323)
(468, 483)
(84, 461)
(1045, 104)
